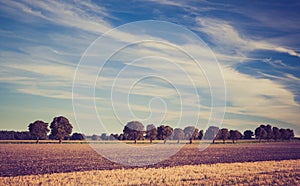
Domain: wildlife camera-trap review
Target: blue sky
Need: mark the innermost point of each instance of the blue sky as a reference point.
(256, 44)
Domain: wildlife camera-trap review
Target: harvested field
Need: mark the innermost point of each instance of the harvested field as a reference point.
(32, 159)
(286, 172)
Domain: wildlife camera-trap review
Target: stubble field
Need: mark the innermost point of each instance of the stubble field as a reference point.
(285, 172)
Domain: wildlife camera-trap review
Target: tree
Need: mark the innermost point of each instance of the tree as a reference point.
(163, 132)
(269, 131)
(235, 135)
(178, 134)
(260, 133)
(211, 133)
(151, 132)
(77, 136)
(200, 135)
(38, 130)
(134, 130)
(291, 134)
(248, 134)
(104, 136)
(95, 137)
(60, 128)
(191, 133)
(276, 134)
(223, 134)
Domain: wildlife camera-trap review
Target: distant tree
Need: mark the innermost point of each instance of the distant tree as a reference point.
(104, 136)
(7, 135)
(191, 133)
(200, 135)
(248, 134)
(260, 133)
(95, 137)
(223, 134)
(291, 134)
(283, 134)
(164, 132)
(268, 129)
(114, 137)
(276, 133)
(38, 130)
(211, 133)
(178, 134)
(77, 136)
(60, 128)
(121, 137)
(151, 132)
(235, 135)
(134, 130)
(22, 135)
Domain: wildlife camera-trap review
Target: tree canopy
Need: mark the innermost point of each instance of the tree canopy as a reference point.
(38, 130)
(60, 128)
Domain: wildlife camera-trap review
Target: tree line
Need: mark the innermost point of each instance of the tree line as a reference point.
(61, 129)
(134, 130)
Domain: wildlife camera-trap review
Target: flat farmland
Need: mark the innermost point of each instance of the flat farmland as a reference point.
(33, 159)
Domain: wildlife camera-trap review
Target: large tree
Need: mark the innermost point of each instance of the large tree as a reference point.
(276, 133)
(134, 130)
(178, 134)
(268, 129)
(38, 130)
(151, 132)
(260, 133)
(211, 133)
(60, 128)
(248, 134)
(223, 134)
(164, 132)
(235, 135)
(191, 133)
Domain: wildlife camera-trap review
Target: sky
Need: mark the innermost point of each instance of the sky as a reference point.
(253, 45)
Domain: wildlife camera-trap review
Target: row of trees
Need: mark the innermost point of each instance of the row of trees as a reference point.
(134, 130)
(60, 127)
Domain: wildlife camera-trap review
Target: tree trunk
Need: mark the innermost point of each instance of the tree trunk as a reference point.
(37, 141)
(60, 141)
(191, 140)
(134, 141)
(223, 141)
(213, 141)
(150, 140)
(232, 140)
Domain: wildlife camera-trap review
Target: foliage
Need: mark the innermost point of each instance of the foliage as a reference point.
(39, 130)
(235, 135)
(211, 133)
(200, 135)
(191, 132)
(95, 137)
(77, 136)
(151, 132)
(134, 130)
(164, 132)
(60, 128)
(178, 134)
(248, 134)
(223, 134)
(260, 133)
